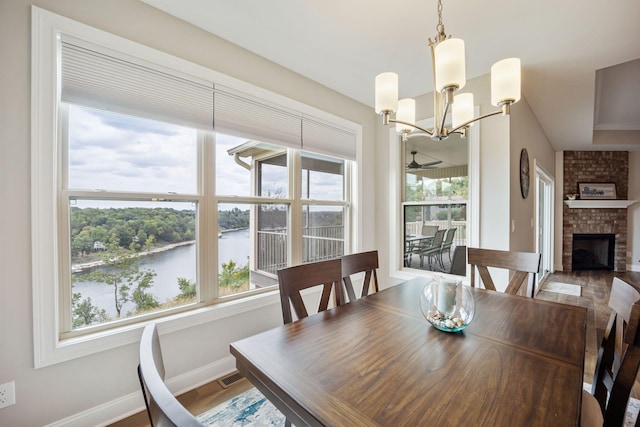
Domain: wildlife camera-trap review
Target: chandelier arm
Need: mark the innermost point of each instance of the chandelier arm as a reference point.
(444, 117)
(475, 120)
(430, 132)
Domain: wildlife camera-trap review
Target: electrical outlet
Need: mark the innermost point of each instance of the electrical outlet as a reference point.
(7, 394)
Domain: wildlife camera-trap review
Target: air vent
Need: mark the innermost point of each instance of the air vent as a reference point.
(229, 380)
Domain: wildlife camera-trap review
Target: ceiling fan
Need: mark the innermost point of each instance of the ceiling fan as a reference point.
(416, 165)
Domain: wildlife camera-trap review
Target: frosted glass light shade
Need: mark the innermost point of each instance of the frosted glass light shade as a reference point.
(449, 64)
(406, 113)
(386, 92)
(505, 81)
(462, 109)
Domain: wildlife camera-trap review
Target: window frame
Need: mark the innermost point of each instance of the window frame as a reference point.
(47, 199)
(397, 198)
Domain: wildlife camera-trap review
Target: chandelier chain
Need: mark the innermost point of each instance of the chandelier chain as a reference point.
(440, 26)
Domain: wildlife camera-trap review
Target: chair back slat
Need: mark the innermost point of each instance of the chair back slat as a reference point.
(292, 280)
(366, 262)
(523, 265)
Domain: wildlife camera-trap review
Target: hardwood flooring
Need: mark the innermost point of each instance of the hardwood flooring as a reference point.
(594, 296)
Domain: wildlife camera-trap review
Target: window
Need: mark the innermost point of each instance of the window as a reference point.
(436, 195)
(138, 189)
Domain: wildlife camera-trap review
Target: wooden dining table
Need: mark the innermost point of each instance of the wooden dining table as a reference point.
(377, 362)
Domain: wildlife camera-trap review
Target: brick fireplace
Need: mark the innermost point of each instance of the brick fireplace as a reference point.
(595, 166)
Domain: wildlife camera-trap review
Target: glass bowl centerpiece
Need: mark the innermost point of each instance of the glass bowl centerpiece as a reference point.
(447, 304)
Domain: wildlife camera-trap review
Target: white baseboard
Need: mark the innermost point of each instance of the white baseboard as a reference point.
(132, 403)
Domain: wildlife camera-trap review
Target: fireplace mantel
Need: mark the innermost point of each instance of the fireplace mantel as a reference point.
(599, 204)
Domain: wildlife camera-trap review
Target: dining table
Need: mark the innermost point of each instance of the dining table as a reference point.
(377, 362)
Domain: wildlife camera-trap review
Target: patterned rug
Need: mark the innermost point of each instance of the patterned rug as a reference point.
(562, 288)
(633, 407)
(250, 408)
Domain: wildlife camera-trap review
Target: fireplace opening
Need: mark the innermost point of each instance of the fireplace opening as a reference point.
(593, 251)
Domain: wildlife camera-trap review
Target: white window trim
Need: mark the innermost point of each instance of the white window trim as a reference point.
(48, 349)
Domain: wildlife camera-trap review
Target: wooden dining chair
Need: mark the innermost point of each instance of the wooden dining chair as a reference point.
(618, 360)
(523, 265)
(163, 408)
(292, 280)
(362, 262)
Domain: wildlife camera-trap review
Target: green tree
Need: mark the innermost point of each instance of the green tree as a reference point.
(121, 271)
(233, 276)
(188, 289)
(144, 300)
(85, 313)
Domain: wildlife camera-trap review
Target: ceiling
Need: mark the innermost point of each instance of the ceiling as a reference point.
(344, 44)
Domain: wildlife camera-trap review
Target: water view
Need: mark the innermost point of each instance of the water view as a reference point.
(169, 265)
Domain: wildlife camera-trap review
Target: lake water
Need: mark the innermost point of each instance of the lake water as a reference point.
(169, 265)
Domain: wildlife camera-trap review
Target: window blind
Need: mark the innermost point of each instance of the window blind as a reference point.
(325, 138)
(96, 78)
(240, 114)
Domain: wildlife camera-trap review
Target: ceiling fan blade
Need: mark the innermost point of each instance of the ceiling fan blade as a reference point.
(430, 164)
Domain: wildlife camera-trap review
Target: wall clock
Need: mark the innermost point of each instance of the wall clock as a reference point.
(524, 173)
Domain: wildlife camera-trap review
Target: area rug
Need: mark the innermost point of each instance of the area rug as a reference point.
(562, 288)
(633, 407)
(250, 408)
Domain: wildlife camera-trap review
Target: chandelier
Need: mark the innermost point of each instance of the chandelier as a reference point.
(448, 63)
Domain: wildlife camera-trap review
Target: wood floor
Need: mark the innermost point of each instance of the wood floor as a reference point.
(595, 287)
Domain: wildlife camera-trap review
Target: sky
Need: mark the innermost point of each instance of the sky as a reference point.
(114, 152)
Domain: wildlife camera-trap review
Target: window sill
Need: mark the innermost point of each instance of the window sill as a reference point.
(73, 348)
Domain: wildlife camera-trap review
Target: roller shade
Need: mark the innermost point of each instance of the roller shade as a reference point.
(325, 138)
(96, 78)
(238, 113)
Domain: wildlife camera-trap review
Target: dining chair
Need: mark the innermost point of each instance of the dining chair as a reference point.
(429, 230)
(163, 408)
(362, 262)
(523, 265)
(446, 244)
(433, 249)
(459, 261)
(618, 360)
(292, 280)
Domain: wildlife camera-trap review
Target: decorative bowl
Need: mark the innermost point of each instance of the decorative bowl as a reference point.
(447, 304)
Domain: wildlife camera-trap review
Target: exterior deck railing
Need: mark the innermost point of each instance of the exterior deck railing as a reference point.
(319, 243)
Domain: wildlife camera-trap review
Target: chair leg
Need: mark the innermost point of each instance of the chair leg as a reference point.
(287, 423)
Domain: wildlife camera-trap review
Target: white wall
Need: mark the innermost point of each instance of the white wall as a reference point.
(526, 133)
(63, 391)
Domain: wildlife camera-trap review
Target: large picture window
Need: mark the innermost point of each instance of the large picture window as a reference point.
(158, 190)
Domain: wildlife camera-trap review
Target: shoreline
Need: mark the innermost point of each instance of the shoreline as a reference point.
(78, 268)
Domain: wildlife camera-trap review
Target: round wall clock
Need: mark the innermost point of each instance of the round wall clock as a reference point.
(524, 173)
